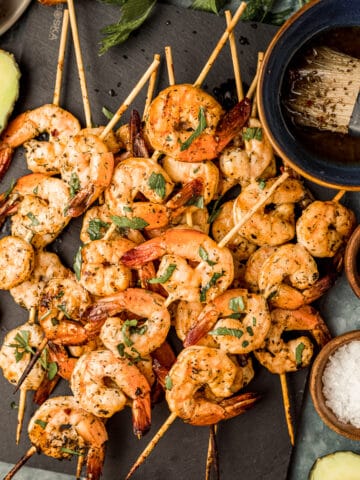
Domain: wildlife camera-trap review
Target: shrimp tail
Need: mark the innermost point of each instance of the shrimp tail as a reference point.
(94, 463)
(201, 328)
(192, 189)
(45, 389)
(6, 155)
(232, 122)
(81, 201)
(235, 406)
(146, 252)
(137, 141)
(65, 365)
(141, 415)
(307, 318)
(319, 288)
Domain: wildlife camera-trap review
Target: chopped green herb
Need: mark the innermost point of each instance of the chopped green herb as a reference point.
(250, 331)
(196, 133)
(196, 201)
(127, 209)
(72, 452)
(262, 183)
(14, 406)
(52, 370)
(54, 321)
(97, 228)
(34, 220)
(298, 354)
(78, 263)
(135, 223)
(254, 321)
(107, 113)
(74, 184)
(62, 308)
(126, 330)
(234, 332)
(10, 189)
(121, 349)
(237, 304)
(245, 344)
(211, 283)
(216, 209)
(45, 315)
(165, 277)
(252, 133)
(205, 256)
(158, 184)
(22, 346)
(35, 190)
(168, 382)
(41, 423)
(208, 5)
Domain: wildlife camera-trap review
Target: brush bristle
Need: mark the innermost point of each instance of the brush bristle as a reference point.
(323, 92)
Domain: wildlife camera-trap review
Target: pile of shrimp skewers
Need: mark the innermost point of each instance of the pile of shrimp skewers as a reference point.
(151, 260)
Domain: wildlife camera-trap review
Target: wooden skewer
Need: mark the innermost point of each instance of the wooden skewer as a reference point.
(32, 315)
(258, 68)
(235, 59)
(60, 63)
(31, 364)
(125, 105)
(151, 445)
(339, 195)
(79, 466)
(20, 463)
(151, 87)
(220, 44)
(286, 402)
(79, 63)
(212, 454)
(251, 212)
(253, 85)
(170, 65)
(21, 412)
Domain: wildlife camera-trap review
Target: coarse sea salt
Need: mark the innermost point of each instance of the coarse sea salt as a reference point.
(341, 383)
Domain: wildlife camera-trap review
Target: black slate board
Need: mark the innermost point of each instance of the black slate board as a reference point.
(254, 446)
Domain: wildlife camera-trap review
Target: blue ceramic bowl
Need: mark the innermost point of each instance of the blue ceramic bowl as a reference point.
(313, 19)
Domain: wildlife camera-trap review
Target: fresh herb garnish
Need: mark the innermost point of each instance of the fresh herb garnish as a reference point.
(234, 332)
(135, 223)
(22, 345)
(237, 304)
(107, 113)
(97, 228)
(10, 189)
(196, 201)
(133, 359)
(62, 308)
(74, 184)
(78, 263)
(252, 133)
(197, 132)
(205, 256)
(216, 209)
(208, 5)
(158, 184)
(298, 353)
(52, 370)
(250, 331)
(41, 423)
(165, 276)
(211, 283)
(14, 406)
(168, 382)
(126, 330)
(34, 220)
(262, 183)
(72, 452)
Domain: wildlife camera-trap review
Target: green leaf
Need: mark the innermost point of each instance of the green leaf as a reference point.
(133, 13)
(121, 349)
(298, 354)
(72, 452)
(74, 184)
(41, 423)
(107, 113)
(97, 228)
(52, 370)
(216, 209)
(34, 220)
(10, 189)
(78, 263)
(196, 201)
(234, 332)
(135, 223)
(257, 10)
(62, 308)
(208, 5)
(168, 382)
(211, 283)
(205, 256)
(251, 133)
(14, 406)
(158, 184)
(197, 132)
(237, 304)
(262, 183)
(165, 277)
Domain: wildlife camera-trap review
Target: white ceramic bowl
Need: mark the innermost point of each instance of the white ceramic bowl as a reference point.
(10, 12)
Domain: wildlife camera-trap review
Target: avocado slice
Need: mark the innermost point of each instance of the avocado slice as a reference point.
(10, 83)
(343, 465)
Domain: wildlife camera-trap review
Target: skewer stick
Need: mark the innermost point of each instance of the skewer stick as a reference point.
(170, 65)
(212, 454)
(20, 463)
(258, 68)
(220, 44)
(79, 63)
(339, 195)
(130, 98)
(110, 231)
(286, 402)
(251, 212)
(31, 364)
(60, 63)
(151, 87)
(235, 59)
(32, 315)
(253, 85)
(151, 445)
(21, 412)
(79, 466)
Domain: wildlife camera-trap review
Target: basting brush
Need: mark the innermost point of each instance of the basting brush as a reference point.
(324, 93)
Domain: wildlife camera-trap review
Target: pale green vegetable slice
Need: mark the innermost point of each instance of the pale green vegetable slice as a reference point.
(336, 466)
(10, 82)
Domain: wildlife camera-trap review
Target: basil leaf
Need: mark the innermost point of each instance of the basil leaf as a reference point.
(196, 133)
(107, 113)
(10, 189)
(262, 183)
(298, 354)
(62, 308)
(165, 277)
(41, 423)
(208, 5)
(135, 223)
(78, 263)
(211, 283)
(237, 304)
(158, 184)
(197, 201)
(168, 382)
(205, 256)
(97, 228)
(234, 332)
(74, 184)
(52, 370)
(34, 220)
(251, 133)
(72, 452)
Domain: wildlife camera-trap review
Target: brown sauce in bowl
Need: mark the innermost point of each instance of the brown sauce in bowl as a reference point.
(337, 148)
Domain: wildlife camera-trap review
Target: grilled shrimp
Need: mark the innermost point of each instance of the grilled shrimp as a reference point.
(42, 157)
(250, 161)
(60, 427)
(185, 318)
(181, 172)
(324, 227)
(133, 337)
(279, 356)
(239, 321)
(61, 304)
(103, 383)
(254, 266)
(86, 166)
(46, 266)
(214, 270)
(199, 383)
(189, 125)
(17, 258)
(273, 224)
(37, 204)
